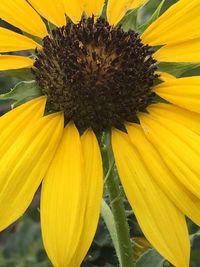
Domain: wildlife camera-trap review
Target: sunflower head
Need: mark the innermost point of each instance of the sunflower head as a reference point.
(102, 77)
(99, 75)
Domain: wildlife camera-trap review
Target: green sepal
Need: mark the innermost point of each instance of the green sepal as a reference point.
(150, 258)
(129, 21)
(50, 26)
(175, 68)
(155, 15)
(33, 37)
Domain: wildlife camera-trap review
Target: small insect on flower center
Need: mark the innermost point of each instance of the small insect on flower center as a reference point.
(98, 75)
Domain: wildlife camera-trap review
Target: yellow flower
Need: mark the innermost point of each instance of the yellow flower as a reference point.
(158, 156)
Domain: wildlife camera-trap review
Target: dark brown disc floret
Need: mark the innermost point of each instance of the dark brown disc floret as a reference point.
(98, 75)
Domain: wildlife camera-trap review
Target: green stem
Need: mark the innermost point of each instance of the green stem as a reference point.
(124, 246)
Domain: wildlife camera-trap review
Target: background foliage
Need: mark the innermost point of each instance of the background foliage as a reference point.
(21, 245)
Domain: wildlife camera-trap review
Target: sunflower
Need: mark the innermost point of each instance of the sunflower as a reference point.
(96, 77)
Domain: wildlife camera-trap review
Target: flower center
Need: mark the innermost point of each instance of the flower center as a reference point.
(98, 75)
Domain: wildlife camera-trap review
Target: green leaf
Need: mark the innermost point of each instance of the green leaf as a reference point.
(155, 15)
(151, 259)
(108, 218)
(22, 90)
(5, 106)
(23, 74)
(21, 101)
(194, 236)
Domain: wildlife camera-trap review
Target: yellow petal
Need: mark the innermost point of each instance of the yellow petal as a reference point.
(51, 10)
(17, 119)
(11, 41)
(74, 9)
(24, 164)
(179, 148)
(137, 3)
(186, 51)
(187, 118)
(14, 62)
(93, 7)
(184, 92)
(63, 200)
(179, 23)
(20, 14)
(116, 11)
(162, 223)
(182, 198)
(94, 193)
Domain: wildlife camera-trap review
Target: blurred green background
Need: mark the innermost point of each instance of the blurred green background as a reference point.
(21, 245)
